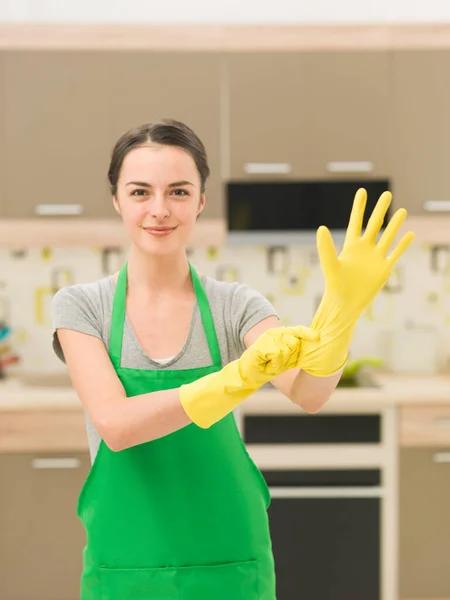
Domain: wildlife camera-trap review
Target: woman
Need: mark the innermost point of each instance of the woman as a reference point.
(173, 506)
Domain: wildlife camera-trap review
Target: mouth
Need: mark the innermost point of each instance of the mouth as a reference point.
(159, 231)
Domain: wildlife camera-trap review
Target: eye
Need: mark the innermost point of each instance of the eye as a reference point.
(181, 193)
(139, 192)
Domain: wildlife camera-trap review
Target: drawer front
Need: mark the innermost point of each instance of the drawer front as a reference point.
(425, 426)
(43, 430)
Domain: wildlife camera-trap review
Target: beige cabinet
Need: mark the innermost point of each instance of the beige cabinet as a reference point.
(42, 539)
(420, 129)
(266, 115)
(346, 104)
(424, 523)
(3, 152)
(57, 134)
(184, 86)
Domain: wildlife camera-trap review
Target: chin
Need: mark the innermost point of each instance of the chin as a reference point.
(162, 246)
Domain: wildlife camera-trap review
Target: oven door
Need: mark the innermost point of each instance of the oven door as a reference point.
(325, 527)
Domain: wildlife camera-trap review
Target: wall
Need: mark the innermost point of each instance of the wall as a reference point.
(232, 11)
(418, 291)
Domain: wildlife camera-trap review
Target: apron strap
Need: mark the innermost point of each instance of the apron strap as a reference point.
(207, 318)
(119, 312)
(118, 318)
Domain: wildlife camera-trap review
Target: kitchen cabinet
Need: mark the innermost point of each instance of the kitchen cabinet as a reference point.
(42, 537)
(309, 115)
(420, 129)
(346, 104)
(2, 131)
(424, 526)
(57, 132)
(184, 86)
(267, 121)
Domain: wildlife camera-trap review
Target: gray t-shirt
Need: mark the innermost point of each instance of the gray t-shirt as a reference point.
(87, 308)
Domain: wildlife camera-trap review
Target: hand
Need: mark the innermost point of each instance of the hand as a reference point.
(277, 350)
(352, 280)
(363, 267)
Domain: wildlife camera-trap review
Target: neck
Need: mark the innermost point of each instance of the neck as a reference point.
(153, 276)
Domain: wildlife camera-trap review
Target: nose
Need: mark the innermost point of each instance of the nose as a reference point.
(159, 206)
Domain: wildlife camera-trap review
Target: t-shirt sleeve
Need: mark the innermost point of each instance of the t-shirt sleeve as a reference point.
(72, 308)
(249, 308)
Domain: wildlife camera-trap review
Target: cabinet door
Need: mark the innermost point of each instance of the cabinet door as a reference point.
(151, 86)
(266, 115)
(57, 134)
(424, 524)
(3, 153)
(346, 108)
(420, 128)
(42, 537)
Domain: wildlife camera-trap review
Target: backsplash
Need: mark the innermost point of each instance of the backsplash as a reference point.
(290, 277)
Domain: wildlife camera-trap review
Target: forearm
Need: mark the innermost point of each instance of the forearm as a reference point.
(312, 393)
(138, 419)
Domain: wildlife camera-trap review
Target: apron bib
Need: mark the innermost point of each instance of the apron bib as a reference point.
(181, 517)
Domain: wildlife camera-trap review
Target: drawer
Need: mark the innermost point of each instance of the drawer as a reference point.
(425, 426)
(42, 430)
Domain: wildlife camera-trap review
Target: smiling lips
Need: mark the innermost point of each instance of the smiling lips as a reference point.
(159, 231)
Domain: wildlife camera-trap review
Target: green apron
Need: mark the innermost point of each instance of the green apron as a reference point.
(181, 517)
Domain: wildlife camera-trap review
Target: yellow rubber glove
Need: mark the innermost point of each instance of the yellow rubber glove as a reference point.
(352, 280)
(211, 398)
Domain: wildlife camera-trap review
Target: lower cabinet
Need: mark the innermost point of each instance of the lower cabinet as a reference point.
(41, 536)
(424, 523)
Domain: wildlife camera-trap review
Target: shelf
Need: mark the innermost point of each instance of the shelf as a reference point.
(103, 233)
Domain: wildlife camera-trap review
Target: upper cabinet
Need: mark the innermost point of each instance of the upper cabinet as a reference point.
(57, 134)
(266, 115)
(420, 130)
(346, 104)
(3, 153)
(308, 115)
(65, 110)
(184, 86)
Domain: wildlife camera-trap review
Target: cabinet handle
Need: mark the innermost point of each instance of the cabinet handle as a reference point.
(442, 422)
(355, 166)
(58, 210)
(271, 168)
(55, 463)
(326, 492)
(441, 457)
(437, 206)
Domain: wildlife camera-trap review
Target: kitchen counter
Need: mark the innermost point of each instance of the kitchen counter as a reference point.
(390, 390)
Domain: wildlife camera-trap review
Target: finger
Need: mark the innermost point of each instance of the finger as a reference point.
(377, 217)
(391, 231)
(305, 333)
(327, 251)
(400, 248)
(356, 216)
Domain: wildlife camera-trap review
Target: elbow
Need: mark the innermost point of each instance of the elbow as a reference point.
(113, 434)
(311, 406)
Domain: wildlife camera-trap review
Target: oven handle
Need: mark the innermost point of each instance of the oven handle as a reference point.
(326, 492)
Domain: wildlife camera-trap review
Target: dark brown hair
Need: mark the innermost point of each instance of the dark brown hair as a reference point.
(167, 132)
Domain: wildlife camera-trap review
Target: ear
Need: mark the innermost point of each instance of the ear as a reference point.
(116, 205)
(201, 205)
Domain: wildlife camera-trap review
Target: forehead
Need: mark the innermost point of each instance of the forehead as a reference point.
(154, 163)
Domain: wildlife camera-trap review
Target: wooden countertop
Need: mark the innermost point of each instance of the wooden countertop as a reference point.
(392, 390)
(50, 418)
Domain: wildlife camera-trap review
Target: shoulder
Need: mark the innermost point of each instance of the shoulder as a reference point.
(82, 302)
(84, 292)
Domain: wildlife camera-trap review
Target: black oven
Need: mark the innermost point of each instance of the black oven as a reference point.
(325, 522)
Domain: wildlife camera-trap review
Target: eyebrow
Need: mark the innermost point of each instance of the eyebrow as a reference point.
(147, 185)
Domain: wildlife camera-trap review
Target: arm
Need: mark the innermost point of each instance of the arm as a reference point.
(305, 390)
(122, 422)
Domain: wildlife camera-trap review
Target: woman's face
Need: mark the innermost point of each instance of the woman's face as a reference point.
(159, 197)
